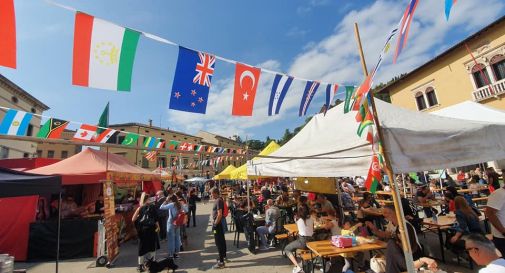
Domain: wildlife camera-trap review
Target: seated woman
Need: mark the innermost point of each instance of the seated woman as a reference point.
(305, 226)
(468, 222)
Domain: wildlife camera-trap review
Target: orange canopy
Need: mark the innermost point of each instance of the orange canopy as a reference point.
(90, 166)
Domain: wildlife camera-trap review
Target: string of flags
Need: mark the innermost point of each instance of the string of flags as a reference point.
(15, 122)
(104, 56)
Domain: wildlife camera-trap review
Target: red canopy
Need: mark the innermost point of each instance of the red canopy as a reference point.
(90, 166)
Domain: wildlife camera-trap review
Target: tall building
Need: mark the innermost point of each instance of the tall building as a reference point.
(59, 151)
(13, 96)
(455, 76)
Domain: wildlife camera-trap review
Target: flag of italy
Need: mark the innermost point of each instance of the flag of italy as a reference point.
(103, 54)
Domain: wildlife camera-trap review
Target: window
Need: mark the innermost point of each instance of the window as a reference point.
(498, 66)
(4, 152)
(50, 154)
(29, 131)
(39, 153)
(14, 99)
(64, 154)
(479, 72)
(431, 96)
(25, 155)
(145, 163)
(120, 139)
(421, 103)
(33, 110)
(185, 161)
(162, 161)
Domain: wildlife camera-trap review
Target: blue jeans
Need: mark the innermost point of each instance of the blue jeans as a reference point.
(173, 239)
(262, 233)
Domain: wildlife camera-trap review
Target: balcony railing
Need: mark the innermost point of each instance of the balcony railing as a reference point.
(489, 91)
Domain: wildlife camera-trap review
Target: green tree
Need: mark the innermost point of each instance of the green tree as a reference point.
(255, 144)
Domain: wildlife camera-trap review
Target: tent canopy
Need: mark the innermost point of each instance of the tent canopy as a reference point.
(474, 111)
(90, 166)
(225, 174)
(328, 146)
(241, 172)
(14, 183)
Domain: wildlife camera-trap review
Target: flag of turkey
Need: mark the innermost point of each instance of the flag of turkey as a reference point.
(246, 82)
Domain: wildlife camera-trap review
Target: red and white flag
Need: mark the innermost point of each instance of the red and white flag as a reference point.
(7, 34)
(246, 83)
(86, 132)
(105, 135)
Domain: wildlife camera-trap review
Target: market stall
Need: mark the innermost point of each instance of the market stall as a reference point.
(97, 185)
(225, 174)
(18, 203)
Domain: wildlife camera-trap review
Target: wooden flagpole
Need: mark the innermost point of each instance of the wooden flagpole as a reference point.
(402, 225)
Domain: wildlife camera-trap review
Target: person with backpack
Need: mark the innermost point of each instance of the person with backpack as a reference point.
(174, 223)
(146, 222)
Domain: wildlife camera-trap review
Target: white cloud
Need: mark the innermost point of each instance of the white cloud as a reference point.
(335, 59)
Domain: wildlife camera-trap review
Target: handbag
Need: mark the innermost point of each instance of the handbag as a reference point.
(378, 264)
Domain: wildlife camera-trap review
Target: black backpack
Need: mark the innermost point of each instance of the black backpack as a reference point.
(146, 218)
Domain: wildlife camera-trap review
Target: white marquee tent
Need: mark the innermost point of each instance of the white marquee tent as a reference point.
(469, 110)
(329, 147)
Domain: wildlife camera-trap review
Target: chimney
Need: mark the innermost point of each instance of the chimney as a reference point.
(150, 123)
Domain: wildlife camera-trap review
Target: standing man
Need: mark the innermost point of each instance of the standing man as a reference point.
(162, 214)
(495, 212)
(217, 227)
(483, 252)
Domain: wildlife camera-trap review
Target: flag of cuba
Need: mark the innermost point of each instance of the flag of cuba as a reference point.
(193, 75)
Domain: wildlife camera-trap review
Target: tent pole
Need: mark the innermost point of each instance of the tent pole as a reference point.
(58, 237)
(402, 225)
(339, 198)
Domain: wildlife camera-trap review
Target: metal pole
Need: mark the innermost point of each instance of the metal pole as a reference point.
(402, 225)
(58, 237)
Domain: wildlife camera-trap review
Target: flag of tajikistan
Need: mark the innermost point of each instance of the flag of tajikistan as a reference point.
(103, 54)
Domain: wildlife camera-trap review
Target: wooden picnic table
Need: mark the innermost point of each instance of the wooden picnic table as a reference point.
(431, 203)
(326, 249)
(472, 190)
(443, 223)
(478, 199)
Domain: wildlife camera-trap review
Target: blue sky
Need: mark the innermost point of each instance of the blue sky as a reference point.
(310, 39)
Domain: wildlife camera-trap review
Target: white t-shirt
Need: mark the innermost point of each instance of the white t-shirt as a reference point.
(305, 228)
(497, 201)
(494, 267)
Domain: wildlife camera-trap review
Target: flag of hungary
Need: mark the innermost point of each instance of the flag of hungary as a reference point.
(103, 54)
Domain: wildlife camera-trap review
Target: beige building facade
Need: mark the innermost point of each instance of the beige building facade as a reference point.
(59, 151)
(13, 96)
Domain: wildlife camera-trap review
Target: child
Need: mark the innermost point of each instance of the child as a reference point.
(349, 229)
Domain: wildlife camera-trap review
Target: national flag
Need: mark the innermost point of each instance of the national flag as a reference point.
(173, 145)
(103, 54)
(279, 89)
(151, 156)
(103, 122)
(193, 75)
(200, 148)
(331, 90)
(190, 147)
(308, 94)
(15, 122)
(368, 121)
(209, 149)
(349, 90)
(130, 139)
(246, 83)
(404, 28)
(184, 146)
(86, 132)
(361, 93)
(52, 128)
(374, 175)
(448, 7)
(106, 136)
(7, 34)
(150, 142)
(385, 50)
